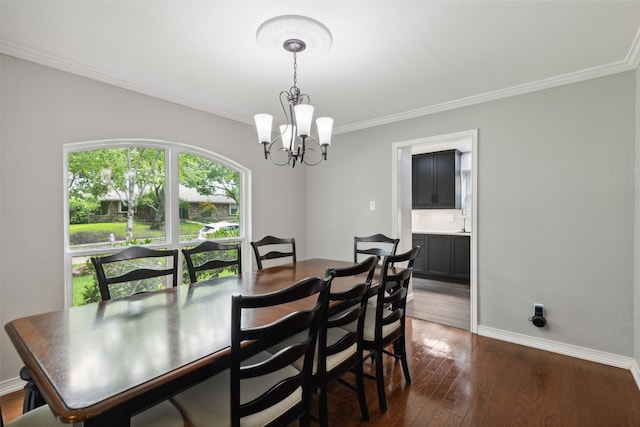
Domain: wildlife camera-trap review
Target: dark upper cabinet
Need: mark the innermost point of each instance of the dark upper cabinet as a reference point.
(436, 180)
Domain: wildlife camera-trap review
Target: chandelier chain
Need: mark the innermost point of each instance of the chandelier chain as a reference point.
(295, 70)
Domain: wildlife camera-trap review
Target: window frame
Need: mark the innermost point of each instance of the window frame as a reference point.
(172, 208)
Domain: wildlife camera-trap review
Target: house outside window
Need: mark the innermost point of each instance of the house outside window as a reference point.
(147, 193)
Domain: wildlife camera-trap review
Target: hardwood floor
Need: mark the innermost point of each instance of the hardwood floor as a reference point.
(462, 379)
(441, 302)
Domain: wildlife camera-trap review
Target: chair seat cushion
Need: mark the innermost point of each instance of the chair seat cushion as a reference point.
(208, 403)
(333, 336)
(368, 334)
(164, 414)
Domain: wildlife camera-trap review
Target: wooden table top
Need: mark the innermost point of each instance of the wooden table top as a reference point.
(96, 359)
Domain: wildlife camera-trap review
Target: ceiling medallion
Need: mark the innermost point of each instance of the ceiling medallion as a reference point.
(272, 34)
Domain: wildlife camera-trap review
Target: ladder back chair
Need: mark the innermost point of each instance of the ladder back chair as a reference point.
(210, 255)
(270, 240)
(340, 350)
(385, 323)
(261, 388)
(363, 245)
(135, 265)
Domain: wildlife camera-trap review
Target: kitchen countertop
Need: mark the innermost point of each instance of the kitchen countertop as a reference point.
(454, 233)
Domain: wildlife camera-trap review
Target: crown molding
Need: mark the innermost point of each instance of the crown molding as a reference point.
(62, 64)
(631, 62)
(590, 73)
(633, 57)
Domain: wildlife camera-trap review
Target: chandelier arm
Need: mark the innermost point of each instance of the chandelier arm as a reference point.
(323, 151)
(306, 162)
(284, 109)
(289, 158)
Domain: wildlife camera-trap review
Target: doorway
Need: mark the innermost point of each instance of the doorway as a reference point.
(402, 214)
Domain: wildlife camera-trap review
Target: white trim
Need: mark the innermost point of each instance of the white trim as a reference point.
(633, 57)
(58, 63)
(635, 371)
(457, 136)
(591, 73)
(558, 347)
(11, 385)
(631, 62)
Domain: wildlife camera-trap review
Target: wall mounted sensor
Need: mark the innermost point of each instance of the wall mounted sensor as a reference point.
(538, 316)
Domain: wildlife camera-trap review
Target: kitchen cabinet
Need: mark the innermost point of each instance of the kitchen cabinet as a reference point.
(419, 265)
(443, 256)
(460, 257)
(436, 180)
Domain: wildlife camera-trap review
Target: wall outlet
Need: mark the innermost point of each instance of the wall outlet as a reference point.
(372, 205)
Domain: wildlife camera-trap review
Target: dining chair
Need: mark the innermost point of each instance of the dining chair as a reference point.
(340, 350)
(270, 240)
(210, 255)
(384, 323)
(32, 396)
(363, 245)
(260, 388)
(137, 266)
(163, 414)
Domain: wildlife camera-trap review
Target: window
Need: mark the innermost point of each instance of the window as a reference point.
(153, 193)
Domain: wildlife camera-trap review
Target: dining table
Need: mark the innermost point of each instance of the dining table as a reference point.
(101, 363)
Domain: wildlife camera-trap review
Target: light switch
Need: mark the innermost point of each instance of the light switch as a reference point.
(372, 205)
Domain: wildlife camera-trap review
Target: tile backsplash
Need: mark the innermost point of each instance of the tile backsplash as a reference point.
(438, 220)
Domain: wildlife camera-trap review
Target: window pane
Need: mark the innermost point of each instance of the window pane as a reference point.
(85, 284)
(116, 197)
(209, 199)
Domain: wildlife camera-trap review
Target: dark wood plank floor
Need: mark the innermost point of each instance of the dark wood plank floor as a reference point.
(441, 302)
(462, 379)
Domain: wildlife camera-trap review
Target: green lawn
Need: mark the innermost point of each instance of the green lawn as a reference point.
(140, 230)
(79, 283)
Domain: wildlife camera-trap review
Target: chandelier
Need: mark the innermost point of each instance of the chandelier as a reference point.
(296, 144)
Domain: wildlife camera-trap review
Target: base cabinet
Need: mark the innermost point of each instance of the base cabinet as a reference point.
(443, 256)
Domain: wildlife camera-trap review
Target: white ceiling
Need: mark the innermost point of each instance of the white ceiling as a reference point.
(390, 60)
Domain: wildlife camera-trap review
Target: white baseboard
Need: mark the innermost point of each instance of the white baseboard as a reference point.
(635, 371)
(11, 385)
(561, 348)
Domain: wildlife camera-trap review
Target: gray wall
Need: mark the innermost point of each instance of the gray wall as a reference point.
(555, 206)
(636, 256)
(41, 110)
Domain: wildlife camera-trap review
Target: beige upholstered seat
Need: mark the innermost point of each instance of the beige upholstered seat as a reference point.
(208, 404)
(163, 414)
